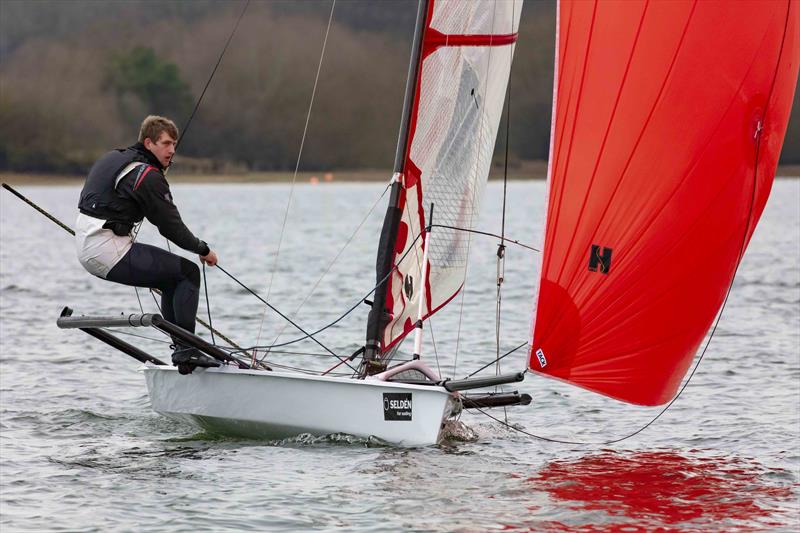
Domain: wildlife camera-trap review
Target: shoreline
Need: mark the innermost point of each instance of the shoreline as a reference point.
(529, 170)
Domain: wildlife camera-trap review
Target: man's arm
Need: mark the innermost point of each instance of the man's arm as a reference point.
(153, 195)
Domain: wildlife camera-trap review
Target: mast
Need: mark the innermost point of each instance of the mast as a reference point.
(377, 319)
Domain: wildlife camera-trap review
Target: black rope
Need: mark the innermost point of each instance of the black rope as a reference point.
(490, 363)
(208, 305)
(308, 335)
(72, 232)
(13, 191)
(487, 234)
(214, 71)
(330, 265)
(350, 310)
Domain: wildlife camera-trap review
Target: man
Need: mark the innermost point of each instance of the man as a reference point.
(123, 187)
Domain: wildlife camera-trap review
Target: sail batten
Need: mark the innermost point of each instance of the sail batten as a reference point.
(657, 177)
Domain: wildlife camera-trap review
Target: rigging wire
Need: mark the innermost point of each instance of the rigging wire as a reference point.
(214, 71)
(177, 143)
(135, 232)
(501, 248)
(333, 262)
(488, 234)
(350, 310)
(72, 232)
(308, 335)
(141, 307)
(472, 200)
(490, 363)
(121, 332)
(296, 168)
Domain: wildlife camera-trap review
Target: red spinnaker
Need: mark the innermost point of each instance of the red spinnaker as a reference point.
(668, 120)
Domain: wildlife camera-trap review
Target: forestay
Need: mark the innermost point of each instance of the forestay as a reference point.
(668, 122)
(465, 57)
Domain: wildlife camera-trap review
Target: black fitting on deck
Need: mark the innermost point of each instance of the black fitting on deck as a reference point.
(477, 383)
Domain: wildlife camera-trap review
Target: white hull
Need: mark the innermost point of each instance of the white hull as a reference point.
(259, 404)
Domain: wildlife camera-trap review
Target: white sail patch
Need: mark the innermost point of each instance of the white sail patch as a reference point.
(542, 359)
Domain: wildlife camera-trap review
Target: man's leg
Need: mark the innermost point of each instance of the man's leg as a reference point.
(179, 282)
(176, 277)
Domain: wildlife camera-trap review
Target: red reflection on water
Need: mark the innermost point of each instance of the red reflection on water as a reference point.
(664, 490)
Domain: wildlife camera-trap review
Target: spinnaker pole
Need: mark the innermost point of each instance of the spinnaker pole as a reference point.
(378, 315)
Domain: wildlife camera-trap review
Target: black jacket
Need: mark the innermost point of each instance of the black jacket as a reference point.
(143, 192)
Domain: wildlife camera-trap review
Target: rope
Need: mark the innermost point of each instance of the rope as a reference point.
(208, 304)
(501, 248)
(296, 168)
(490, 363)
(121, 332)
(214, 71)
(66, 228)
(332, 262)
(72, 232)
(141, 307)
(488, 234)
(308, 335)
(350, 310)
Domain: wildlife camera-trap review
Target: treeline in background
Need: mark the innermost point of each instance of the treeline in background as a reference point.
(77, 77)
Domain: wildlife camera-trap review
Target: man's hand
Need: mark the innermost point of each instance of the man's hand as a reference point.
(210, 259)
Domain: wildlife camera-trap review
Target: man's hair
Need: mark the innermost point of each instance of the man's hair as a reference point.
(153, 126)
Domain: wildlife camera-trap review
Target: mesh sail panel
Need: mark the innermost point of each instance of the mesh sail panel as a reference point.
(465, 63)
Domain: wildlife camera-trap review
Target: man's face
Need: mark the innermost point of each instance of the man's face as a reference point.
(163, 148)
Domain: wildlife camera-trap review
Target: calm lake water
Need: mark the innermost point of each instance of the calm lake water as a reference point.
(80, 449)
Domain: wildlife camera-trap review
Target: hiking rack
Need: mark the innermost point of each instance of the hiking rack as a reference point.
(92, 325)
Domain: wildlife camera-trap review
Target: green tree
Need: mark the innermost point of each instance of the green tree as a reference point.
(156, 84)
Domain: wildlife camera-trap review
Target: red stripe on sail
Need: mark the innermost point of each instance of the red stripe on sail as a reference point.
(434, 39)
(410, 327)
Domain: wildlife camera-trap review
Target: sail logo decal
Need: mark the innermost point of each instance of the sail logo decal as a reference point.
(600, 259)
(408, 286)
(541, 357)
(397, 406)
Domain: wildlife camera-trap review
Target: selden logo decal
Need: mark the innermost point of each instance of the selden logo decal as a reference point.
(397, 406)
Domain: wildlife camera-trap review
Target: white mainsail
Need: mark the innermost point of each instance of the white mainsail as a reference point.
(465, 62)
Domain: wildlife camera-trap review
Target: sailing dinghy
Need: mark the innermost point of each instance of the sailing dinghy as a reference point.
(668, 119)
